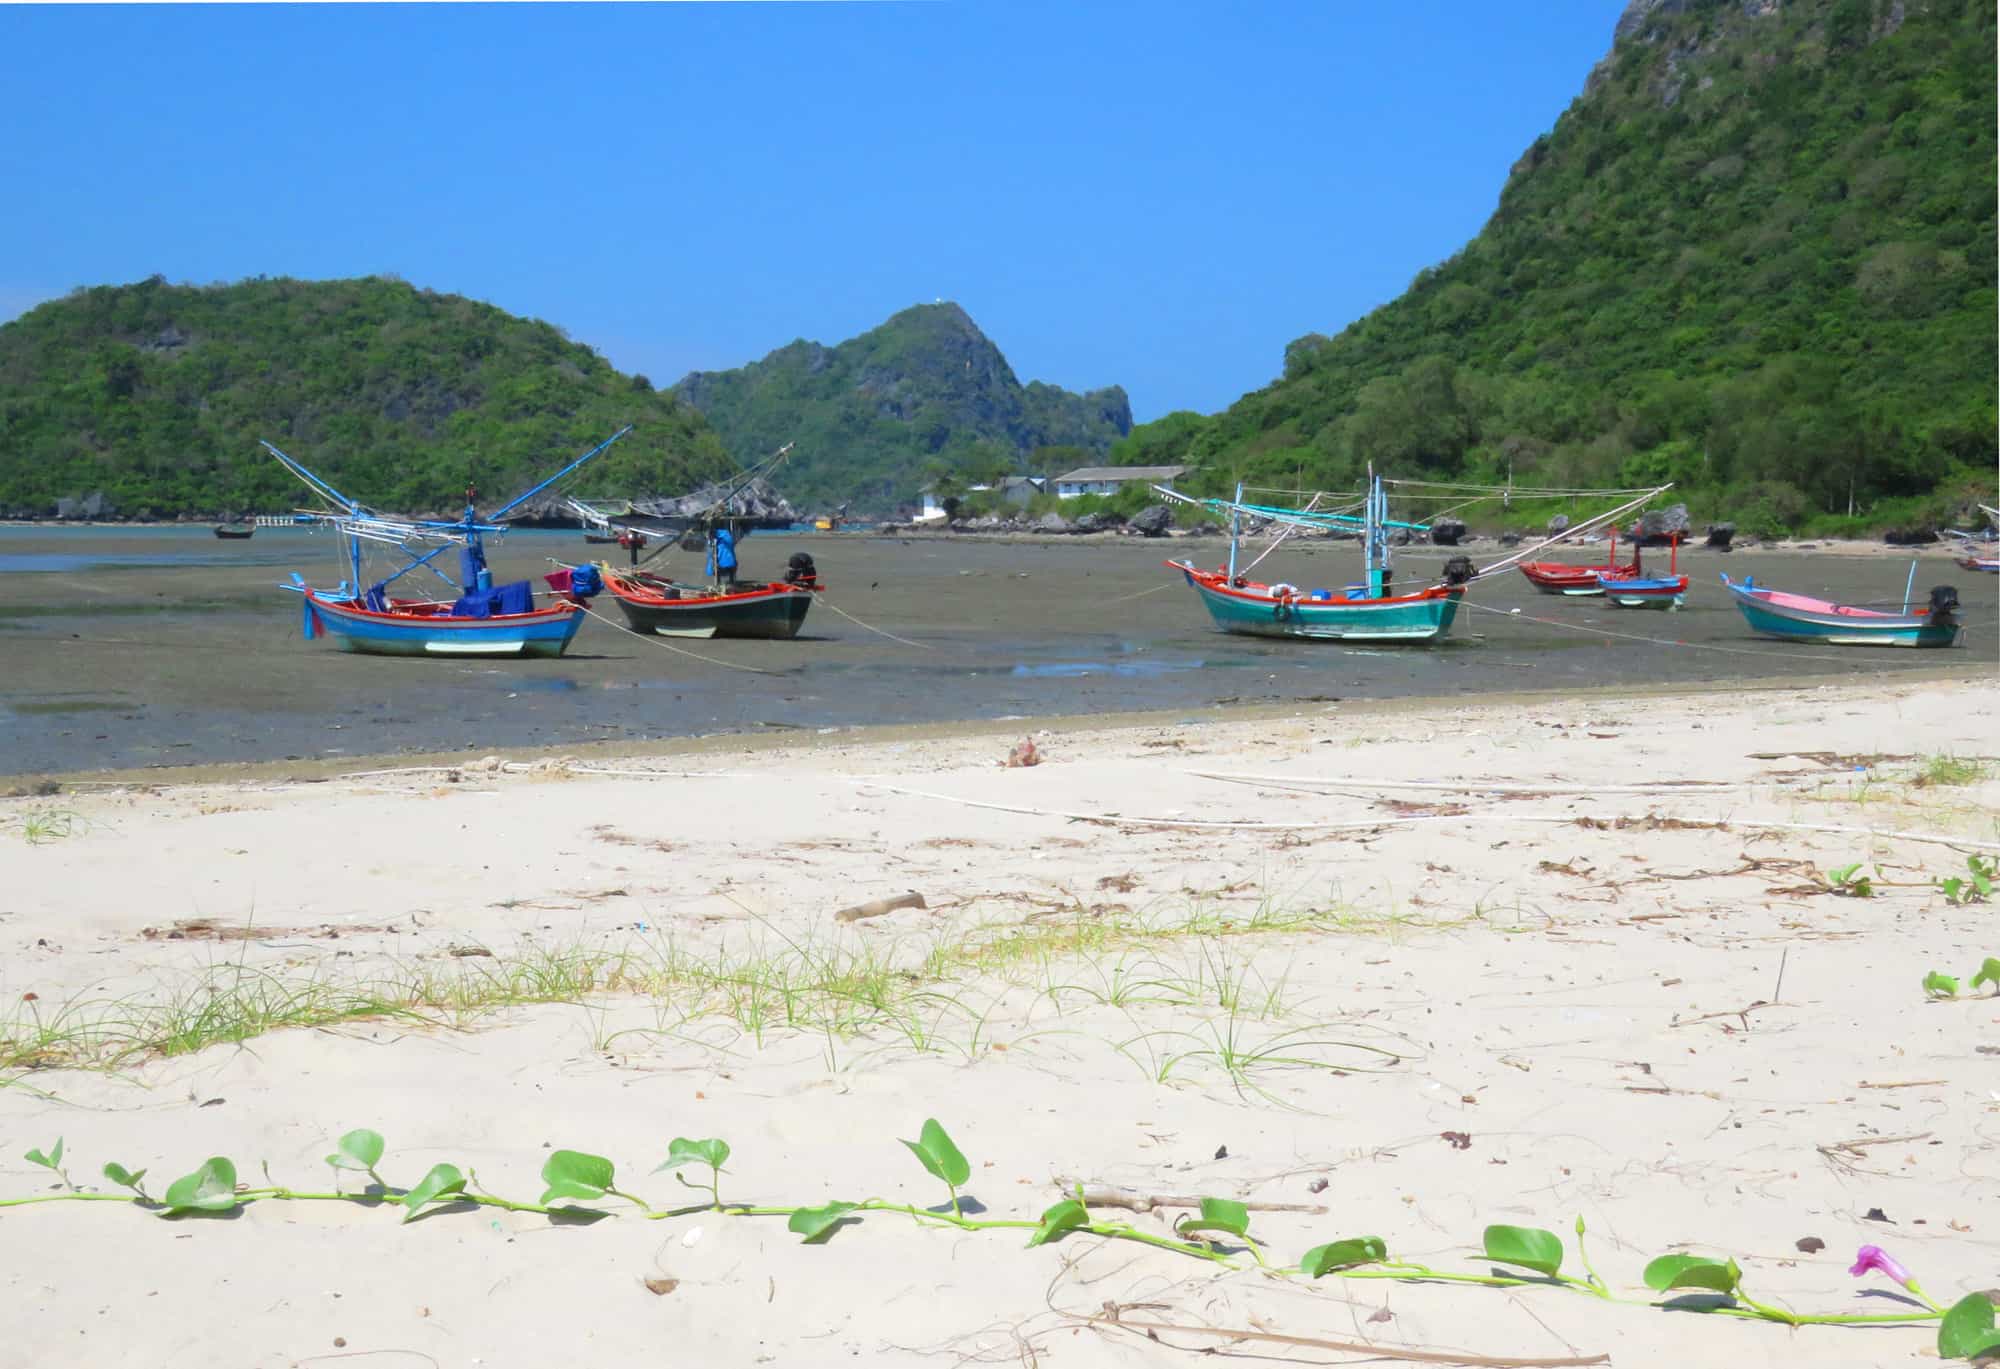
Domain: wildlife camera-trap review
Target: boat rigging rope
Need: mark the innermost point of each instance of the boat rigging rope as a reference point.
(921, 646)
(678, 650)
(1276, 542)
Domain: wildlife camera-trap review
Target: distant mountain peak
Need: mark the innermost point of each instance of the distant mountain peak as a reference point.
(926, 386)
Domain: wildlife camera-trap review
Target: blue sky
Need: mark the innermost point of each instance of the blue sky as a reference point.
(1157, 195)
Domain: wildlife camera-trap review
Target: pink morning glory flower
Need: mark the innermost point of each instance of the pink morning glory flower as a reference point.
(1874, 1257)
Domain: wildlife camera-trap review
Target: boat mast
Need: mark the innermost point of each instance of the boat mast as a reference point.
(1235, 522)
(1374, 537)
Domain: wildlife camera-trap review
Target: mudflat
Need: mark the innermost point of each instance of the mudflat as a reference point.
(1393, 972)
(123, 649)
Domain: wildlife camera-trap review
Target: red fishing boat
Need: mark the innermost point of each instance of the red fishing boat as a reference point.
(1562, 577)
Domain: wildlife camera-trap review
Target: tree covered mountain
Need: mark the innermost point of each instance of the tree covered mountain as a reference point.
(923, 395)
(156, 394)
(1755, 256)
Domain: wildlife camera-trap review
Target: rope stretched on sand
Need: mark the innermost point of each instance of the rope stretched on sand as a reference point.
(921, 646)
(678, 650)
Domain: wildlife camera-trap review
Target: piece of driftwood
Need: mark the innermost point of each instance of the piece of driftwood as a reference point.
(879, 907)
(1407, 1355)
(1133, 1200)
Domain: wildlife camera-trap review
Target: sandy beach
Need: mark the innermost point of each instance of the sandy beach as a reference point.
(1426, 966)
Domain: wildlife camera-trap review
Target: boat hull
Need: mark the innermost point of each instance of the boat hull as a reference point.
(1629, 592)
(543, 632)
(773, 612)
(1559, 577)
(1253, 611)
(1826, 624)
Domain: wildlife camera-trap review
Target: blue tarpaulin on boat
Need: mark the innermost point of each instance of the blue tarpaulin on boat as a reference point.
(471, 563)
(377, 598)
(518, 597)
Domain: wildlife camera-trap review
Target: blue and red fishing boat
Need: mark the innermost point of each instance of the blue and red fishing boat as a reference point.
(1631, 587)
(481, 619)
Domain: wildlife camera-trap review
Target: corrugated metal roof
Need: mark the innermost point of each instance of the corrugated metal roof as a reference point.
(1091, 473)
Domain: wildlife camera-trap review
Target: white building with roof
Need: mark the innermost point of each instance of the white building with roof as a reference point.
(1111, 479)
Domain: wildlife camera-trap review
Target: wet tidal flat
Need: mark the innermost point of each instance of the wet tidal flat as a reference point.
(130, 648)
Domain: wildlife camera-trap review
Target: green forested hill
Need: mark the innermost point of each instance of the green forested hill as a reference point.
(156, 394)
(924, 394)
(1756, 256)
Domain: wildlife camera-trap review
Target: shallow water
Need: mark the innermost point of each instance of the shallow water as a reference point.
(167, 646)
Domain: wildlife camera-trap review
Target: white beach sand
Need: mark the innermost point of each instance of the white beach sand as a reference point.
(1581, 984)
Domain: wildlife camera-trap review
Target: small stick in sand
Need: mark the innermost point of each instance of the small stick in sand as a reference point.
(1389, 1352)
(1132, 1200)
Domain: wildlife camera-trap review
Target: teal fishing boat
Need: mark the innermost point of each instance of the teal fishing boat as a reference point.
(1799, 618)
(1367, 612)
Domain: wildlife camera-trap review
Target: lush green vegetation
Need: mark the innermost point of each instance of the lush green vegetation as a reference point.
(923, 398)
(1756, 257)
(156, 395)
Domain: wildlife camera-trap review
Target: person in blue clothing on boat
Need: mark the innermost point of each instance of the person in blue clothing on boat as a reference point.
(722, 554)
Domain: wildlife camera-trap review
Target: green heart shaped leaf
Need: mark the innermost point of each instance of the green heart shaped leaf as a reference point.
(1217, 1214)
(1322, 1260)
(1527, 1246)
(212, 1188)
(1989, 973)
(359, 1149)
(1938, 984)
(1967, 1329)
(817, 1224)
(1067, 1215)
(443, 1181)
(935, 1151)
(49, 1161)
(122, 1176)
(573, 1174)
(1692, 1271)
(683, 1152)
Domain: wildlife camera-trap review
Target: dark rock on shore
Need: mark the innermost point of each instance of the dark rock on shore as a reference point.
(1447, 532)
(1152, 521)
(1720, 535)
(1662, 527)
(1910, 537)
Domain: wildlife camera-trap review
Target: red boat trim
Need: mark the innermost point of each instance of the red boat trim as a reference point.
(1217, 581)
(417, 611)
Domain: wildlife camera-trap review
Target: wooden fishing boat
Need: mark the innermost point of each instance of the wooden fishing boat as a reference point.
(1800, 618)
(1574, 581)
(655, 604)
(484, 619)
(235, 532)
(1631, 587)
(424, 627)
(1642, 591)
(1369, 612)
(1989, 565)
(1261, 610)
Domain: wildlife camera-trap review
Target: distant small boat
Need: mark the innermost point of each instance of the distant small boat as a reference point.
(1989, 564)
(653, 604)
(235, 532)
(1797, 617)
(601, 539)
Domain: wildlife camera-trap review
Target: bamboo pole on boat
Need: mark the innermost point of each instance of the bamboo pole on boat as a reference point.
(1909, 586)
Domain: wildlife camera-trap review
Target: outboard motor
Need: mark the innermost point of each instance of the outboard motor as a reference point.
(1944, 602)
(1459, 570)
(585, 582)
(801, 571)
